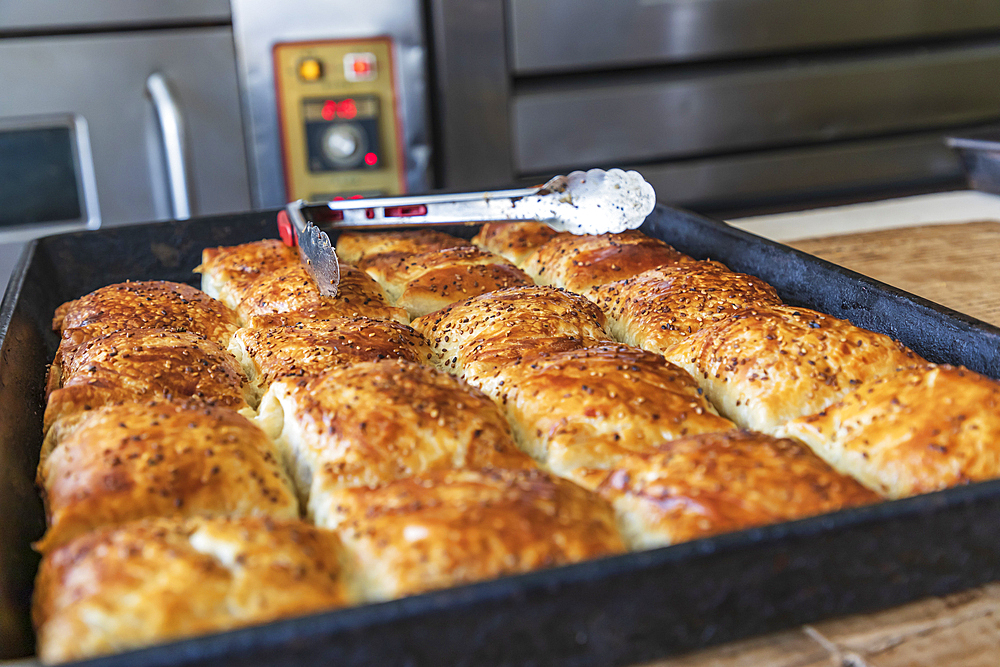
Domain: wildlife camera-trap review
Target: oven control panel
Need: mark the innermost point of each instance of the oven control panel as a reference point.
(337, 111)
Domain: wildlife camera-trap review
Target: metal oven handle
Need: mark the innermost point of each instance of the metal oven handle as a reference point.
(171, 122)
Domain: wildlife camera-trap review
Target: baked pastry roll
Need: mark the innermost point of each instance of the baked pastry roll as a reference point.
(314, 347)
(720, 482)
(581, 262)
(125, 462)
(450, 527)
(151, 304)
(373, 422)
(289, 295)
(227, 272)
(514, 241)
(765, 366)
(656, 309)
(352, 247)
(920, 430)
(430, 281)
(476, 337)
(144, 364)
(157, 580)
(587, 408)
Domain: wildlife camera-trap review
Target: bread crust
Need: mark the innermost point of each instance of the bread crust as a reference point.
(157, 580)
(578, 263)
(514, 241)
(126, 462)
(714, 483)
(227, 272)
(352, 247)
(656, 309)
(450, 527)
(920, 430)
(765, 366)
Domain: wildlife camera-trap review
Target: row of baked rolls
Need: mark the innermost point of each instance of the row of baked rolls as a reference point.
(425, 271)
(592, 410)
(265, 283)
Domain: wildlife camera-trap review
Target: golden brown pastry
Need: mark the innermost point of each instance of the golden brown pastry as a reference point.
(157, 580)
(514, 241)
(145, 364)
(580, 262)
(314, 347)
(151, 304)
(656, 309)
(765, 366)
(920, 430)
(372, 422)
(430, 281)
(720, 482)
(289, 295)
(587, 408)
(227, 272)
(125, 462)
(450, 527)
(476, 337)
(352, 247)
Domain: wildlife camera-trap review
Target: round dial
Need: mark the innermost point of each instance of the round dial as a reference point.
(344, 144)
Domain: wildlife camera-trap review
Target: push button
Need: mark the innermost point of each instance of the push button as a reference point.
(310, 69)
(360, 67)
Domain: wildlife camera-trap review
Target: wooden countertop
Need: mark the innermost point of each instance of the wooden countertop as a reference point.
(957, 265)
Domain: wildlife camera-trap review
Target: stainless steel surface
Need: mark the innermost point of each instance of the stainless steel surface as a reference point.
(171, 124)
(259, 24)
(32, 15)
(472, 90)
(102, 77)
(545, 36)
(746, 108)
(315, 251)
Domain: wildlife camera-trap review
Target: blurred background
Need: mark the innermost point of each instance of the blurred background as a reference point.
(119, 111)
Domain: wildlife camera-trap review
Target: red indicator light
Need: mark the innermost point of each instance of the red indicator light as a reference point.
(357, 196)
(347, 109)
(362, 66)
(329, 111)
(371, 159)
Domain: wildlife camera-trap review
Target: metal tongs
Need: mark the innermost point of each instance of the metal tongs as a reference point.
(591, 202)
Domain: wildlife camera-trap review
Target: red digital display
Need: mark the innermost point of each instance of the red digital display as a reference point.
(344, 109)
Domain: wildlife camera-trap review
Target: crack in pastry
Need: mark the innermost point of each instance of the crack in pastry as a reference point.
(126, 462)
(919, 430)
(715, 483)
(372, 422)
(578, 263)
(656, 309)
(514, 241)
(313, 347)
(765, 366)
(156, 580)
(145, 364)
(450, 527)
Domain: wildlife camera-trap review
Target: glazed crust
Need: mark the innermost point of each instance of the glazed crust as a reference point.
(449, 527)
(120, 463)
(151, 304)
(765, 366)
(656, 309)
(514, 241)
(578, 263)
(476, 337)
(146, 364)
(720, 482)
(289, 295)
(921, 430)
(589, 407)
(314, 347)
(373, 422)
(352, 247)
(157, 580)
(430, 281)
(227, 272)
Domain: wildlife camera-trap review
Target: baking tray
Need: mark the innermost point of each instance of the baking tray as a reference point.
(612, 611)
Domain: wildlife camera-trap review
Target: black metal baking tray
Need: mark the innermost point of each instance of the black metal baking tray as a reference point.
(612, 611)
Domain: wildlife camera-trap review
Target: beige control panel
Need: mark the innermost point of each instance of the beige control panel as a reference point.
(339, 127)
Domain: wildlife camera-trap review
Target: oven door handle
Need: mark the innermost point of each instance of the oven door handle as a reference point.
(171, 122)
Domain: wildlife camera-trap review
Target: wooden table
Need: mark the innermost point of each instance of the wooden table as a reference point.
(957, 265)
